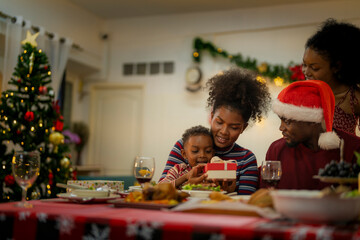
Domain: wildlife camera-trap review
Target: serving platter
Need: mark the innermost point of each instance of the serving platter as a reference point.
(239, 208)
(338, 180)
(120, 203)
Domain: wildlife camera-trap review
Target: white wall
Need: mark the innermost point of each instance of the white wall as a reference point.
(61, 17)
(273, 34)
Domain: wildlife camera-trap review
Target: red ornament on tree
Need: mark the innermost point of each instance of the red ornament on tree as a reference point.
(29, 116)
(19, 80)
(59, 124)
(74, 175)
(46, 67)
(9, 180)
(18, 132)
(51, 178)
(42, 90)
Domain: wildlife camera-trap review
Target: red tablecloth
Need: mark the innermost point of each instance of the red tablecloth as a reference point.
(63, 220)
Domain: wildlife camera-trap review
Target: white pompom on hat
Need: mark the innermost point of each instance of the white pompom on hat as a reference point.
(309, 101)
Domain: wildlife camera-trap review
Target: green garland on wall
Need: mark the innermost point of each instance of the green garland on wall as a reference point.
(277, 73)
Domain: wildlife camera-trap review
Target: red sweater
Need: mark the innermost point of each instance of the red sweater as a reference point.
(299, 164)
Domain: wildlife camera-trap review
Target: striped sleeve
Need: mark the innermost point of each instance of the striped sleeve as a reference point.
(174, 173)
(248, 175)
(174, 158)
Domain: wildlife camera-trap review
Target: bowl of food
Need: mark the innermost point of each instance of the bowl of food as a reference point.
(315, 206)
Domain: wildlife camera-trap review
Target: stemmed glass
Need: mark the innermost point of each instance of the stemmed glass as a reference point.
(271, 173)
(144, 168)
(25, 168)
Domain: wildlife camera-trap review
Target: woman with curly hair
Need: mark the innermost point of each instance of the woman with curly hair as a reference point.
(235, 99)
(332, 55)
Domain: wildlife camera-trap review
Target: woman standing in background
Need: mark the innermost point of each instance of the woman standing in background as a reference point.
(332, 55)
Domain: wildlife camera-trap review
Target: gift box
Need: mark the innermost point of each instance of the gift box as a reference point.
(94, 184)
(221, 170)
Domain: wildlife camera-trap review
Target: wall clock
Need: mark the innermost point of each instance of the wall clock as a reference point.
(193, 79)
(193, 75)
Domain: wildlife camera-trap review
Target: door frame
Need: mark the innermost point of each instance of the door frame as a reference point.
(110, 86)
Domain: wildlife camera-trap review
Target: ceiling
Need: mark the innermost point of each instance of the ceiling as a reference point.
(119, 9)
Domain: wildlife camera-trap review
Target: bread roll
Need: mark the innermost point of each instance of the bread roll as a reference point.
(261, 198)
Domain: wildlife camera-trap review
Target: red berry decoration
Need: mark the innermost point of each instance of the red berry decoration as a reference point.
(9, 180)
(43, 90)
(29, 116)
(297, 73)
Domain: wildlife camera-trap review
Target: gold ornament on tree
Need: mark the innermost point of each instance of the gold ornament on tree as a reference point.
(65, 162)
(56, 139)
(31, 64)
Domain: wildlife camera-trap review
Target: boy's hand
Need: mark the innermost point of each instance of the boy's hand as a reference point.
(196, 175)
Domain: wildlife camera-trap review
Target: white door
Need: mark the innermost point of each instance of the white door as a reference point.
(115, 120)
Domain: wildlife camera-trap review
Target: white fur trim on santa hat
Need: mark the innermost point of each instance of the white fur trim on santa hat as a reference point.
(298, 113)
(329, 140)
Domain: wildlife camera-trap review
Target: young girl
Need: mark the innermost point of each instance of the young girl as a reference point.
(235, 98)
(198, 150)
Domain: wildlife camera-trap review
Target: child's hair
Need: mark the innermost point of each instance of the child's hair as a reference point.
(238, 88)
(195, 131)
(338, 42)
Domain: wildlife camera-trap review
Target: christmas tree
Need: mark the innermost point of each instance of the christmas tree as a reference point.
(30, 120)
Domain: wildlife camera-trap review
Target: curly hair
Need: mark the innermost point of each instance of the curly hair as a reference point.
(196, 131)
(238, 88)
(339, 43)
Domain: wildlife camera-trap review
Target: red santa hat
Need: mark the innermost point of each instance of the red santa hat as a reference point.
(309, 101)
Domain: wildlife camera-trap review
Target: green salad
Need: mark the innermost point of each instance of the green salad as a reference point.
(353, 193)
(201, 187)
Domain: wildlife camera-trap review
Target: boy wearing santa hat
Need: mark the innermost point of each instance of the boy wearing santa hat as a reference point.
(306, 110)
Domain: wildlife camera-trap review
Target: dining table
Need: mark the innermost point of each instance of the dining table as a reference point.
(62, 219)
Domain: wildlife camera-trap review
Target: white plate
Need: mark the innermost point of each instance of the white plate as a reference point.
(200, 193)
(89, 193)
(78, 199)
(244, 198)
(135, 189)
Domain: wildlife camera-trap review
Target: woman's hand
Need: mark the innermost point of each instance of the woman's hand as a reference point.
(196, 175)
(228, 185)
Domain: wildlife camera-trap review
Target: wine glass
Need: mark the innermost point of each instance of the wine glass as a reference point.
(144, 168)
(25, 168)
(271, 173)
